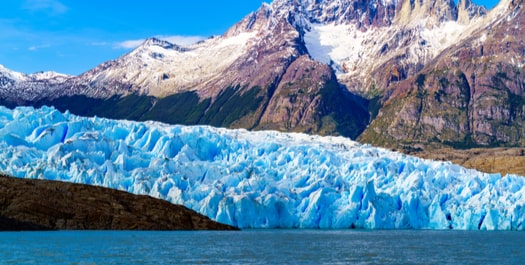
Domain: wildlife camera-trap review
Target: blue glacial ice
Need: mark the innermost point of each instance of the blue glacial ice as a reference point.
(259, 179)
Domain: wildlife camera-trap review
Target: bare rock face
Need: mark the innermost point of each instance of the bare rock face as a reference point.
(364, 13)
(309, 99)
(436, 11)
(468, 10)
(471, 95)
(48, 205)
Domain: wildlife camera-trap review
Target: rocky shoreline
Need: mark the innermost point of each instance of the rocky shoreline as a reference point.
(29, 205)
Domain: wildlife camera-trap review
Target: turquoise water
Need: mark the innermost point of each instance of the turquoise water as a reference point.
(263, 247)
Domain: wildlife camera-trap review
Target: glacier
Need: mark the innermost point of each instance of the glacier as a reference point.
(263, 179)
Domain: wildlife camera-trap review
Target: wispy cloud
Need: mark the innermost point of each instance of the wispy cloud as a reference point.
(52, 7)
(129, 44)
(179, 40)
(100, 43)
(38, 47)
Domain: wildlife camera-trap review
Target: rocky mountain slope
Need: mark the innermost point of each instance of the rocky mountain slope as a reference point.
(51, 205)
(403, 74)
(470, 95)
(18, 87)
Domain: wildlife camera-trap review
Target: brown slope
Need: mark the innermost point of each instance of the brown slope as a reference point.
(50, 205)
(490, 160)
(309, 99)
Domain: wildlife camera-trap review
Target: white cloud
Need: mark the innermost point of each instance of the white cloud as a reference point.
(100, 43)
(129, 44)
(38, 47)
(179, 40)
(53, 7)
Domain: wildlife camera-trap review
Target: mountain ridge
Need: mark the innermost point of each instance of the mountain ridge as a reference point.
(357, 68)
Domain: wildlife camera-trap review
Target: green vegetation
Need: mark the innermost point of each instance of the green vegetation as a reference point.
(374, 106)
(130, 107)
(347, 112)
(231, 105)
(516, 101)
(182, 108)
(374, 91)
(467, 143)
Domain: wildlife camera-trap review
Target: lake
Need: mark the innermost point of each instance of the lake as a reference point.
(263, 247)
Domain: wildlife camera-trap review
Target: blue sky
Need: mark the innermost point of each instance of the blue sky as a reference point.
(73, 36)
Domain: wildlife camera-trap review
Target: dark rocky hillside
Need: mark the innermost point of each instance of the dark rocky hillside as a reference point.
(471, 95)
(49, 205)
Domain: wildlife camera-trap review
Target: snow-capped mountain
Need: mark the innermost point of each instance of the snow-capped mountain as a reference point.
(19, 87)
(355, 37)
(10, 78)
(324, 67)
(389, 40)
(257, 75)
(159, 68)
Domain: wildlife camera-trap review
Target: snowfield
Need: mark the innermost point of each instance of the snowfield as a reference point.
(259, 179)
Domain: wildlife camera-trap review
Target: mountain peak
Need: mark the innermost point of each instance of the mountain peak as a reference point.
(468, 10)
(434, 12)
(363, 12)
(379, 13)
(158, 42)
(44, 75)
(10, 74)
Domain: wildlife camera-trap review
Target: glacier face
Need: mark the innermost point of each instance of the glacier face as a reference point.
(259, 179)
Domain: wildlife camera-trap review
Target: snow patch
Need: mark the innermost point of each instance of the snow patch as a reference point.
(354, 52)
(443, 36)
(178, 69)
(15, 76)
(49, 75)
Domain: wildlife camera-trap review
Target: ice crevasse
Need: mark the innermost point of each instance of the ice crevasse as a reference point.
(260, 179)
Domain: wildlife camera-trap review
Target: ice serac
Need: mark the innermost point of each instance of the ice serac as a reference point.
(259, 179)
